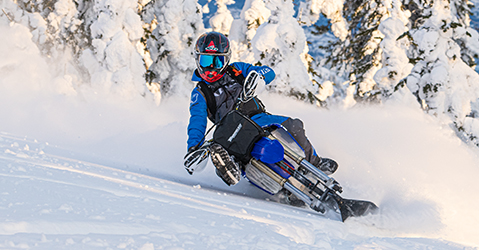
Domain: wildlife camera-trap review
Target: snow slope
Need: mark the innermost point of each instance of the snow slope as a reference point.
(55, 202)
(90, 170)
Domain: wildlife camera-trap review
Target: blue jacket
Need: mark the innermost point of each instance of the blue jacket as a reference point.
(198, 107)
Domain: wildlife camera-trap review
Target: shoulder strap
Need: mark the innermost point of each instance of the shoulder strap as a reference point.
(235, 74)
(209, 96)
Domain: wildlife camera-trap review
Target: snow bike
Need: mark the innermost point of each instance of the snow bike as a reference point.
(273, 161)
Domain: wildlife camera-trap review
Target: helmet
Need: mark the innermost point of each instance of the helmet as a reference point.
(212, 55)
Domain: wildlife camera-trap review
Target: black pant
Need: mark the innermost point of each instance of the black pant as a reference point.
(296, 128)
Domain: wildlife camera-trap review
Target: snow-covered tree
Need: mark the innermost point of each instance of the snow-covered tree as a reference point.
(443, 83)
(358, 54)
(221, 21)
(174, 28)
(320, 37)
(366, 53)
(281, 44)
(394, 65)
(332, 9)
(57, 32)
(51, 23)
(253, 14)
(425, 45)
(90, 42)
(113, 61)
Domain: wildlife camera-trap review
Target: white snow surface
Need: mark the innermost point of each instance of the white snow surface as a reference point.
(95, 170)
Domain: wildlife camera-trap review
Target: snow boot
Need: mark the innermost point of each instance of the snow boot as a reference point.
(226, 168)
(328, 166)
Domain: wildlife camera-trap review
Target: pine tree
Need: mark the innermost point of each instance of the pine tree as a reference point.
(253, 14)
(321, 37)
(424, 45)
(358, 55)
(367, 53)
(58, 32)
(443, 83)
(112, 60)
(174, 28)
(54, 25)
(394, 65)
(221, 21)
(281, 44)
(96, 40)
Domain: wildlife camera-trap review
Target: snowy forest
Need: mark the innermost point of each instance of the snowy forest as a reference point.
(94, 98)
(329, 53)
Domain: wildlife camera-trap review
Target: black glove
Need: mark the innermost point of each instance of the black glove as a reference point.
(187, 163)
(191, 149)
(249, 85)
(196, 159)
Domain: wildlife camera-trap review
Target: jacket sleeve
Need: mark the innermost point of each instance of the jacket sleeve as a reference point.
(265, 71)
(198, 118)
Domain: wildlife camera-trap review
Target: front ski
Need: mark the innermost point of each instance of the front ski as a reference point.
(329, 202)
(356, 208)
(352, 208)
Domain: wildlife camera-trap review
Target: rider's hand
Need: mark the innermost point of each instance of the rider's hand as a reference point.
(261, 85)
(197, 158)
(186, 163)
(191, 149)
(250, 84)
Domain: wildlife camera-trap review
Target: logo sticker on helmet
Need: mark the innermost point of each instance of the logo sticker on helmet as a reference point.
(211, 47)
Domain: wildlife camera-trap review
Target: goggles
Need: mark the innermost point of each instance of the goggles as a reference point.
(212, 61)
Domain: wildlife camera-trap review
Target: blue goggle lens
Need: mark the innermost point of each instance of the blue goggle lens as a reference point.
(211, 61)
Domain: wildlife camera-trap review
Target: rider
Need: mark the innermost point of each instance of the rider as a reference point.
(225, 81)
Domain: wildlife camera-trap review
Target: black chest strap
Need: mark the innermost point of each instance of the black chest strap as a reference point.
(209, 96)
(235, 74)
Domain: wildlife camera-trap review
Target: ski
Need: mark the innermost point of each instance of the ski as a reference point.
(347, 207)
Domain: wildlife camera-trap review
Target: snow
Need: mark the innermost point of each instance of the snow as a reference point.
(89, 169)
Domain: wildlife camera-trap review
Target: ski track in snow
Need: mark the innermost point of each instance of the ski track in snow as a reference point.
(55, 202)
(50, 170)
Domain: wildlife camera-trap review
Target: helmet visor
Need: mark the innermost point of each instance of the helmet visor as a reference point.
(212, 61)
